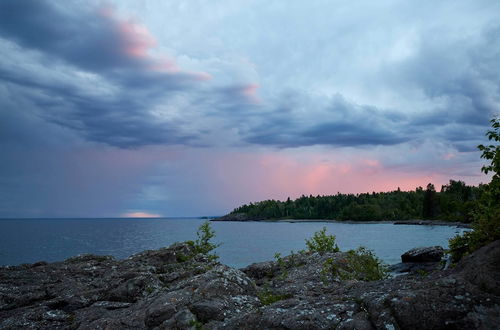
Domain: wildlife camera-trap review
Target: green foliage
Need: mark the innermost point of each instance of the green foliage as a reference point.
(203, 244)
(360, 264)
(455, 202)
(329, 268)
(282, 264)
(492, 152)
(266, 297)
(182, 257)
(196, 324)
(486, 216)
(422, 272)
(429, 208)
(279, 259)
(321, 242)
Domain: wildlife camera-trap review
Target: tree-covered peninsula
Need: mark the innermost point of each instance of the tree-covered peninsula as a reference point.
(455, 201)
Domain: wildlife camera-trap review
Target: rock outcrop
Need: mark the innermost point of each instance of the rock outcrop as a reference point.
(175, 288)
(422, 259)
(423, 254)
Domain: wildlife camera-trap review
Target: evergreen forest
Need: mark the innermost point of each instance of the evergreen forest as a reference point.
(455, 201)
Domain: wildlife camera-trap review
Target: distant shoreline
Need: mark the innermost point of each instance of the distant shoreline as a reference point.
(398, 222)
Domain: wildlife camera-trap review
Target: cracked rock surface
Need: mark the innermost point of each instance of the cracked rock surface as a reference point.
(175, 288)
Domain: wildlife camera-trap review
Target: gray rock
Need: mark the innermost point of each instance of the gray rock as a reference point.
(206, 311)
(160, 310)
(423, 254)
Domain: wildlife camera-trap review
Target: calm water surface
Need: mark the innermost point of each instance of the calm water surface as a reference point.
(28, 241)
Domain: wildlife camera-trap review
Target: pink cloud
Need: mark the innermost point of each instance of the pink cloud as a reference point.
(135, 37)
(138, 39)
(137, 43)
(250, 92)
(449, 156)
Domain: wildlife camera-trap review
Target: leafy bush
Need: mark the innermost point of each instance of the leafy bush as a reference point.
(321, 242)
(486, 219)
(360, 264)
(203, 244)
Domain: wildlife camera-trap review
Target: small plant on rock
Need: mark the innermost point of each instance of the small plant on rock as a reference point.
(329, 269)
(266, 297)
(203, 244)
(282, 265)
(322, 243)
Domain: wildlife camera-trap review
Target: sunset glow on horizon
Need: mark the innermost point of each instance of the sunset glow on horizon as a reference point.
(140, 215)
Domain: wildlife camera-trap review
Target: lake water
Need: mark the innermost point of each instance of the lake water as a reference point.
(31, 240)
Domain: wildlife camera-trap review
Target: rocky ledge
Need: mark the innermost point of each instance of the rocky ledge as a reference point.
(238, 217)
(175, 288)
(246, 217)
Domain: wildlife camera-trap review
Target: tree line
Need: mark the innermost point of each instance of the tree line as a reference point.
(456, 201)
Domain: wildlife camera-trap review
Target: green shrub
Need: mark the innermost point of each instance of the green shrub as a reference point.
(486, 219)
(203, 244)
(321, 242)
(182, 257)
(365, 265)
(360, 264)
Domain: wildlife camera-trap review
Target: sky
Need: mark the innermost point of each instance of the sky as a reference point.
(191, 108)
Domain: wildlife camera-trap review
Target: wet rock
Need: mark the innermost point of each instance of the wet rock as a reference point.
(423, 254)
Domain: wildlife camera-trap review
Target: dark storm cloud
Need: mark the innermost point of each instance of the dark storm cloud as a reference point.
(340, 123)
(118, 120)
(95, 42)
(88, 41)
(85, 37)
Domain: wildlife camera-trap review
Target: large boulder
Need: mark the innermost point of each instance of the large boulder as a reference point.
(482, 268)
(423, 254)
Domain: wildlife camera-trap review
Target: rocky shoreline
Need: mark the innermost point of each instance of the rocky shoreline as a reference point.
(239, 217)
(176, 288)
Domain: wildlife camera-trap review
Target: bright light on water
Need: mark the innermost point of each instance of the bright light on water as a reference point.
(27, 241)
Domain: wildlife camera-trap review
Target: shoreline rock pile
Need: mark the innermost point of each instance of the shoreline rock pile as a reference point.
(176, 288)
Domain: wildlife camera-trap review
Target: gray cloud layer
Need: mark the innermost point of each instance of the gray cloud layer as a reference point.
(456, 77)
